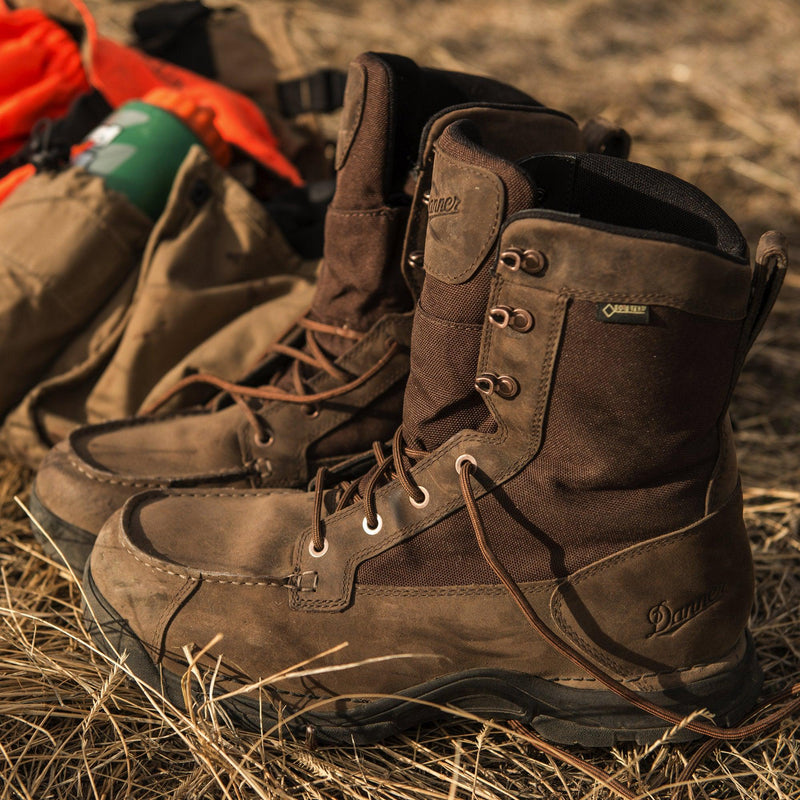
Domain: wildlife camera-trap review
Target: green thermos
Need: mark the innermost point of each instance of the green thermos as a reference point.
(140, 147)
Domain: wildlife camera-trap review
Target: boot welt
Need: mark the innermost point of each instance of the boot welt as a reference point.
(74, 543)
(560, 714)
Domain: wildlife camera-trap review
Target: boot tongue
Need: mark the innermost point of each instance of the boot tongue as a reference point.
(472, 193)
(360, 280)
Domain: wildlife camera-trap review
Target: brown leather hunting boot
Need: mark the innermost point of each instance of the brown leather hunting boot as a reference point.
(335, 382)
(565, 450)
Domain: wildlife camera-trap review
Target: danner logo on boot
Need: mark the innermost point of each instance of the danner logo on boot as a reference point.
(623, 313)
(666, 620)
(443, 205)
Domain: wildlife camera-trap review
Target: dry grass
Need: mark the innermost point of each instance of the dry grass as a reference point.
(710, 91)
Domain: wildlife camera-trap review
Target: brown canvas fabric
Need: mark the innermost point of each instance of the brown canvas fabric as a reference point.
(106, 310)
(593, 483)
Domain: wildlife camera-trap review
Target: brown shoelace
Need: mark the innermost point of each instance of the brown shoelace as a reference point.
(386, 468)
(789, 698)
(395, 466)
(314, 358)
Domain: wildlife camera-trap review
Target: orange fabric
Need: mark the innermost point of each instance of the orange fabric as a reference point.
(199, 118)
(41, 73)
(14, 179)
(122, 73)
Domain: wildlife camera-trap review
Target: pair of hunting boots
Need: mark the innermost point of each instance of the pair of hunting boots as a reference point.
(494, 458)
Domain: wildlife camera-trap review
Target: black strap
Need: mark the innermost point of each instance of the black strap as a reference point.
(320, 92)
(49, 143)
(177, 32)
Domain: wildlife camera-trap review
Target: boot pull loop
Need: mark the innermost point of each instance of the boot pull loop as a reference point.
(771, 263)
(603, 136)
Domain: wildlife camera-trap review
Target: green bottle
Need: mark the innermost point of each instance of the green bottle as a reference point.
(140, 147)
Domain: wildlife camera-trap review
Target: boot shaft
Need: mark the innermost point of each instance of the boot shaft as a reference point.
(592, 340)
(388, 101)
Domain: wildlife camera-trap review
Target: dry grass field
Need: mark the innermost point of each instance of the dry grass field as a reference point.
(710, 90)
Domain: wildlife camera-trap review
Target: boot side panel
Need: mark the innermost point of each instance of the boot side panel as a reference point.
(676, 601)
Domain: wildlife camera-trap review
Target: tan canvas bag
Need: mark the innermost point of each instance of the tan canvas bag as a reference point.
(97, 318)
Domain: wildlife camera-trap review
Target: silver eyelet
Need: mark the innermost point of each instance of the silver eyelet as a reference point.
(311, 410)
(263, 441)
(425, 499)
(372, 531)
(462, 458)
(318, 553)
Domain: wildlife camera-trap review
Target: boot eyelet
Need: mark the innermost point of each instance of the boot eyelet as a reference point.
(462, 458)
(311, 411)
(317, 553)
(426, 198)
(521, 320)
(502, 385)
(372, 531)
(518, 319)
(507, 387)
(426, 498)
(511, 259)
(486, 383)
(263, 440)
(533, 262)
(416, 259)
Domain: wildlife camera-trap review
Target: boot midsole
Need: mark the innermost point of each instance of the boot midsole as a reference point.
(74, 543)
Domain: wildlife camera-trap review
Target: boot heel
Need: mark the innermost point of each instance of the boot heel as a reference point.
(598, 718)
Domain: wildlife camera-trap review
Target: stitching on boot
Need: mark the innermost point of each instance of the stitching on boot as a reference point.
(193, 578)
(156, 483)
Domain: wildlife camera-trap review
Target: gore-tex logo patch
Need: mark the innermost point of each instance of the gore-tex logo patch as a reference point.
(437, 206)
(665, 619)
(623, 313)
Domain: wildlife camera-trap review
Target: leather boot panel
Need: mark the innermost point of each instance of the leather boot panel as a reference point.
(214, 534)
(436, 631)
(162, 449)
(679, 599)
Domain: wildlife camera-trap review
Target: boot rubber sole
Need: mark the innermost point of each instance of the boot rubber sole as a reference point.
(560, 714)
(75, 543)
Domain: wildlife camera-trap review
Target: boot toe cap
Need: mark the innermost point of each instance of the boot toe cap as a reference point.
(87, 477)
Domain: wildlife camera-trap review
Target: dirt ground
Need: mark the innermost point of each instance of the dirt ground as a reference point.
(709, 90)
